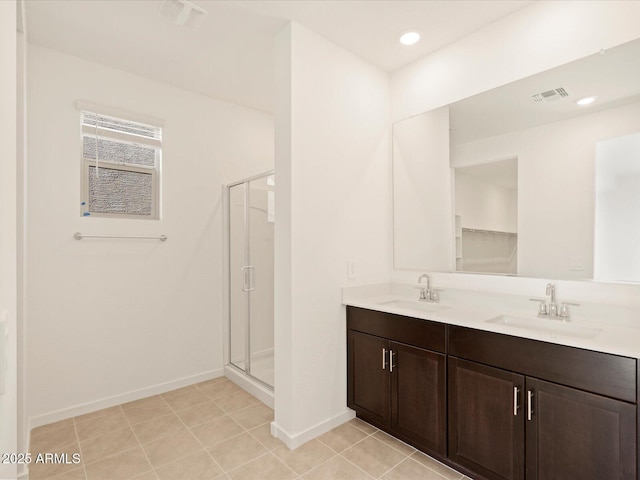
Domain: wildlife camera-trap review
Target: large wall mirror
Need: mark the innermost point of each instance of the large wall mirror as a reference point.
(537, 178)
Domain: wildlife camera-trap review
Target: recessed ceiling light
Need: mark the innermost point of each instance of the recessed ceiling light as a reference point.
(409, 38)
(585, 101)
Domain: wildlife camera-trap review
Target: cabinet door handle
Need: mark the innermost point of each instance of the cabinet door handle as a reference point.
(391, 365)
(529, 404)
(516, 401)
(384, 358)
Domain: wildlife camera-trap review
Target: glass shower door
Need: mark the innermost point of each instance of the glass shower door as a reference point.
(251, 234)
(238, 305)
(261, 229)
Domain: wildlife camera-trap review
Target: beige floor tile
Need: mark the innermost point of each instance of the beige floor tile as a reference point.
(439, 468)
(75, 474)
(98, 448)
(150, 475)
(123, 466)
(51, 439)
(364, 426)
(199, 414)
(217, 431)
(157, 428)
(373, 456)
(184, 398)
(266, 467)
(220, 389)
(305, 457)
(263, 435)
(342, 437)
(98, 413)
(213, 381)
(237, 451)
(410, 469)
(253, 416)
(337, 469)
(171, 448)
(50, 468)
(199, 466)
(394, 442)
(145, 409)
(236, 401)
(98, 426)
(52, 426)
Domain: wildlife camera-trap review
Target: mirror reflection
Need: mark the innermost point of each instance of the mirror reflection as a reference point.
(565, 224)
(486, 218)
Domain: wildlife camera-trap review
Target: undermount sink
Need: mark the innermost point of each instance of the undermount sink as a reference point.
(412, 305)
(557, 327)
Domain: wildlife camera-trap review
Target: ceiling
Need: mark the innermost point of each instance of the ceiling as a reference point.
(230, 55)
(613, 76)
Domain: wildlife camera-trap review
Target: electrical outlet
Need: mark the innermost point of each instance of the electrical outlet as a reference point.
(576, 264)
(351, 269)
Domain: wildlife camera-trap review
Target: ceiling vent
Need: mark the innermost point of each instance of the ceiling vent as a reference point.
(182, 12)
(550, 95)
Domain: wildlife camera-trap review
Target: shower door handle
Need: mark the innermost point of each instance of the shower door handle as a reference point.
(248, 282)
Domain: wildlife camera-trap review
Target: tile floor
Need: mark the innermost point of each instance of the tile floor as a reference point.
(216, 430)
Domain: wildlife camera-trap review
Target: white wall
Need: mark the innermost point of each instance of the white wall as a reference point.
(485, 206)
(8, 234)
(111, 320)
(535, 38)
(332, 204)
(422, 192)
(617, 205)
(556, 186)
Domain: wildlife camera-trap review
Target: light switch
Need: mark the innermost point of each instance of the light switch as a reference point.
(351, 269)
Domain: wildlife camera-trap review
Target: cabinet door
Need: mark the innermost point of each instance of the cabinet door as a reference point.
(486, 420)
(368, 377)
(577, 435)
(418, 396)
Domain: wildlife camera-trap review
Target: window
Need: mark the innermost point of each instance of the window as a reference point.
(120, 167)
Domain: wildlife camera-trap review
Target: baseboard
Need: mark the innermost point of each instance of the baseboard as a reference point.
(255, 388)
(294, 441)
(123, 398)
(23, 474)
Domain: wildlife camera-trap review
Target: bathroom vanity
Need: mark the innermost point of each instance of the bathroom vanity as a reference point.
(492, 401)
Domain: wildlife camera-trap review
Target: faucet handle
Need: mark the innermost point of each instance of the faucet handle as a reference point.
(542, 307)
(434, 294)
(564, 309)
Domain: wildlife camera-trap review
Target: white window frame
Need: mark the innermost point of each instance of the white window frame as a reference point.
(123, 137)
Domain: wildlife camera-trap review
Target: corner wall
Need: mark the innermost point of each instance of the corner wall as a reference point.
(8, 237)
(333, 204)
(114, 320)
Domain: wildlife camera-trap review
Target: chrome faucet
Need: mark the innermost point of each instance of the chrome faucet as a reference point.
(551, 309)
(427, 294)
(553, 306)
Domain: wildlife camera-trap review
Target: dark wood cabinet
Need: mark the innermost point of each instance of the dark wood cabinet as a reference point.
(398, 387)
(578, 423)
(494, 406)
(486, 427)
(418, 396)
(368, 379)
(578, 435)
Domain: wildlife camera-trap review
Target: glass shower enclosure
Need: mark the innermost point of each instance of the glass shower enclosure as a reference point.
(250, 254)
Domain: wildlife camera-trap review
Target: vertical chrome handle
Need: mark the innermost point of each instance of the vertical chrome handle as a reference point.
(516, 403)
(384, 358)
(391, 354)
(529, 404)
(247, 278)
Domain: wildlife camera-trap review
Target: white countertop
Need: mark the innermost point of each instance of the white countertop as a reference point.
(614, 339)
